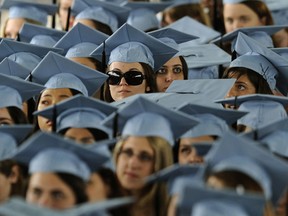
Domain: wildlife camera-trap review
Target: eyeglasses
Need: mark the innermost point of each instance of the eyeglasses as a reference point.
(131, 77)
(143, 156)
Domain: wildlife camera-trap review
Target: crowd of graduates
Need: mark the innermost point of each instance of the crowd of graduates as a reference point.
(144, 108)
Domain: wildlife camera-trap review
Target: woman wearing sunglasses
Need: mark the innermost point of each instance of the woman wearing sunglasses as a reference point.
(132, 57)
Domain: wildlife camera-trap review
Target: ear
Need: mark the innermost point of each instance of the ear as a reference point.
(148, 89)
(263, 20)
(14, 175)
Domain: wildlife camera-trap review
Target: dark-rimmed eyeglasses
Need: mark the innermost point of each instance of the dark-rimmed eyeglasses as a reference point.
(131, 77)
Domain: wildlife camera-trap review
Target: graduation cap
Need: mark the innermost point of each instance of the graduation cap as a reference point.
(172, 37)
(143, 14)
(47, 152)
(260, 33)
(271, 66)
(27, 55)
(278, 10)
(14, 91)
(80, 41)
(183, 2)
(11, 137)
(129, 44)
(17, 206)
(39, 35)
(79, 112)
(29, 10)
(259, 108)
(56, 71)
(143, 117)
(108, 13)
(238, 153)
(283, 51)
(191, 26)
(273, 136)
(204, 55)
(11, 68)
(199, 200)
(201, 92)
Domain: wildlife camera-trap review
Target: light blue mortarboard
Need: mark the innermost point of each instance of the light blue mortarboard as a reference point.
(201, 92)
(283, 51)
(11, 137)
(39, 35)
(262, 109)
(234, 1)
(29, 10)
(108, 13)
(213, 121)
(172, 37)
(129, 44)
(196, 200)
(14, 91)
(10, 67)
(260, 33)
(143, 14)
(183, 2)
(238, 153)
(46, 152)
(56, 71)
(271, 66)
(80, 41)
(79, 112)
(143, 117)
(27, 55)
(191, 26)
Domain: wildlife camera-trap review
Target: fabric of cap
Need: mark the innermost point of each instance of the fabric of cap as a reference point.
(261, 113)
(40, 142)
(108, 13)
(129, 44)
(27, 55)
(29, 10)
(245, 44)
(156, 120)
(56, 71)
(11, 68)
(230, 149)
(191, 26)
(39, 35)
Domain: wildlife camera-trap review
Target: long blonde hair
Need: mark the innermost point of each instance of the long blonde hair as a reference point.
(155, 196)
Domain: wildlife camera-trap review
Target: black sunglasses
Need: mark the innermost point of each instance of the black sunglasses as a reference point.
(131, 77)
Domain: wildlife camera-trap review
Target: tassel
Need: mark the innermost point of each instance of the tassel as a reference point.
(68, 19)
(104, 58)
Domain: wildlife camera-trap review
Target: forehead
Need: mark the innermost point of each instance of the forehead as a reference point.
(138, 144)
(56, 92)
(125, 66)
(173, 61)
(238, 10)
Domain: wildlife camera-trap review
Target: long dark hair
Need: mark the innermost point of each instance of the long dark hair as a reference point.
(76, 184)
(17, 115)
(97, 134)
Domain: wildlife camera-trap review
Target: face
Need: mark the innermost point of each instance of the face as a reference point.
(242, 86)
(171, 70)
(239, 16)
(96, 189)
(123, 89)
(12, 27)
(63, 13)
(187, 153)
(80, 135)
(48, 190)
(135, 162)
(50, 97)
(5, 118)
(84, 61)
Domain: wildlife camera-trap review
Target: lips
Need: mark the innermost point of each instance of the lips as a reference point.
(131, 175)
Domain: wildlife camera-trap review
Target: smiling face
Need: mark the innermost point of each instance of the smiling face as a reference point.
(135, 162)
(239, 16)
(50, 97)
(171, 70)
(48, 190)
(123, 89)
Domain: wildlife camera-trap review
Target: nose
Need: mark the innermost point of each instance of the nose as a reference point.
(134, 162)
(123, 82)
(237, 24)
(231, 93)
(169, 77)
(194, 157)
(45, 201)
